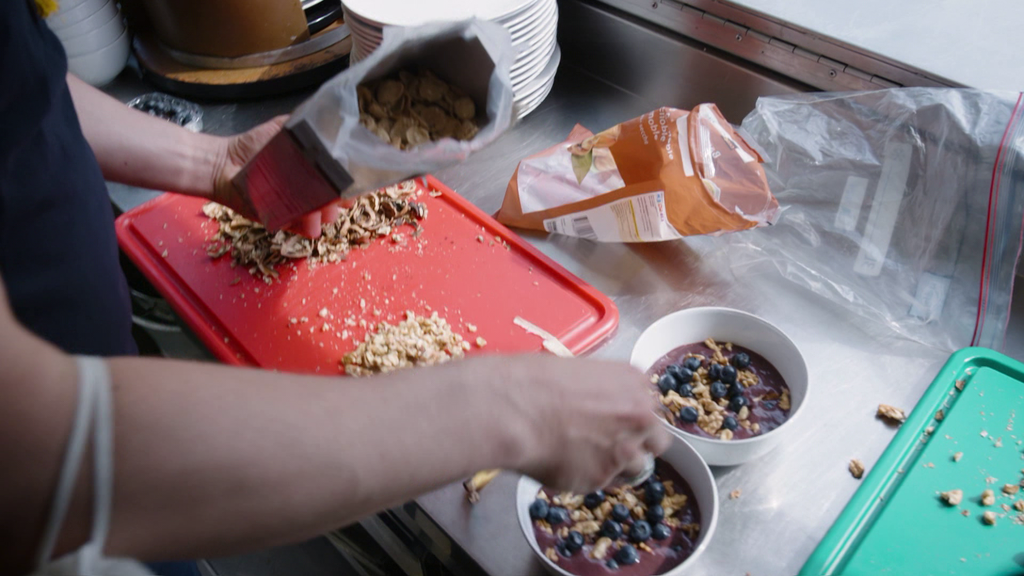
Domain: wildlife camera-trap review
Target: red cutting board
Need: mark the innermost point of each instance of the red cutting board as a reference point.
(244, 321)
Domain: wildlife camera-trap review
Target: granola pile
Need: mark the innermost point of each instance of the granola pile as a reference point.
(696, 400)
(415, 341)
(371, 216)
(616, 525)
(406, 109)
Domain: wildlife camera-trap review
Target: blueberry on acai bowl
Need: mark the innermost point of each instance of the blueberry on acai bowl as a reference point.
(627, 531)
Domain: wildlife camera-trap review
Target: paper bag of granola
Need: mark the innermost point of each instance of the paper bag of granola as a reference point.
(666, 174)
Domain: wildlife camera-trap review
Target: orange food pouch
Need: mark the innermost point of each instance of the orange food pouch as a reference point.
(666, 174)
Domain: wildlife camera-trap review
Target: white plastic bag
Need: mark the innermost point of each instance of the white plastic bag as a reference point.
(903, 206)
(475, 55)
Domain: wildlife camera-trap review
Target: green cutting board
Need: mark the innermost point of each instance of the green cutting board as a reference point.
(896, 523)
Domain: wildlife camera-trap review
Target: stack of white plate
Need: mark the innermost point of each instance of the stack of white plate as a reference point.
(94, 38)
(532, 24)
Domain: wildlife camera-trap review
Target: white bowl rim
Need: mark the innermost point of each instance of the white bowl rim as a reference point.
(753, 439)
(107, 47)
(707, 529)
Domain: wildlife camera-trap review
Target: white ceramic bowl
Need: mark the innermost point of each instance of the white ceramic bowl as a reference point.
(67, 5)
(95, 40)
(728, 325)
(680, 456)
(68, 16)
(88, 24)
(102, 66)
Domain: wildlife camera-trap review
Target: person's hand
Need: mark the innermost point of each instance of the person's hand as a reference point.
(587, 421)
(236, 151)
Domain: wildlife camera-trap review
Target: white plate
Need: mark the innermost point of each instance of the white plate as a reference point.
(530, 19)
(416, 12)
(363, 40)
(544, 79)
(540, 40)
(528, 106)
(525, 71)
(545, 25)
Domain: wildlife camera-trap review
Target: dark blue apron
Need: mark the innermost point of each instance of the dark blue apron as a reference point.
(58, 252)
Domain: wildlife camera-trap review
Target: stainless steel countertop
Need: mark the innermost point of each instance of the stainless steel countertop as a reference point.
(789, 497)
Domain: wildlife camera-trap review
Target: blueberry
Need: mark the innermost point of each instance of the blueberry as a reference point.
(539, 510)
(715, 371)
(611, 529)
(612, 565)
(688, 414)
(740, 360)
(676, 548)
(640, 531)
(660, 532)
(692, 363)
(735, 389)
(563, 550)
(730, 423)
(654, 491)
(769, 404)
(719, 390)
(557, 515)
(620, 513)
(627, 555)
(681, 374)
(685, 390)
(667, 383)
(728, 374)
(594, 499)
(655, 513)
(737, 403)
(573, 542)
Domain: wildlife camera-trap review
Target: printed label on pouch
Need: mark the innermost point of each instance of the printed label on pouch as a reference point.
(636, 219)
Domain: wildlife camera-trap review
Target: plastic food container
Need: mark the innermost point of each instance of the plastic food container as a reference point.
(728, 325)
(685, 460)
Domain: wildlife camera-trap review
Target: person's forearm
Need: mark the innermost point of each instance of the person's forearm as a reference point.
(268, 458)
(138, 149)
(211, 459)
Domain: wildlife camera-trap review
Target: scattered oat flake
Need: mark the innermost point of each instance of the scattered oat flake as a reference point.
(164, 253)
(480, 239)
(891, 413)
(856, 468)
(324, 313)
(735, 494)
(940, 415)
(965, 512)
(988, 498)
(960, 384)
(953, 497)
(989, 517)
(471, 327)
(991, 480)
(958, 456)
(1010, 489)
(929, 465)
(984, 434)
